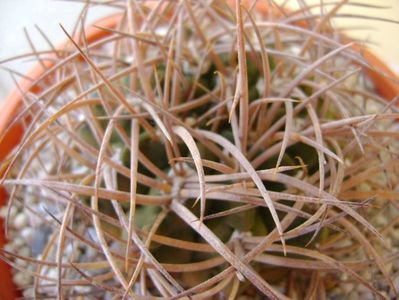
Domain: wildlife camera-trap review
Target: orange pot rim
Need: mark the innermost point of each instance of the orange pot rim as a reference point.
(384, 86)
(8, 110)
(13, 101)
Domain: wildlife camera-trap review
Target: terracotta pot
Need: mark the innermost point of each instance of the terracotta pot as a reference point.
(10, 107)
(8, 111)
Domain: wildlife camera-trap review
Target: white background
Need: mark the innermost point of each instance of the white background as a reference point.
(15, 15)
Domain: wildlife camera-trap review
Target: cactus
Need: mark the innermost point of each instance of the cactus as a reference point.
(204, 149)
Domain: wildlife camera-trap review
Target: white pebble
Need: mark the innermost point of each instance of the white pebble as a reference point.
(34, 220)
(367, 276)
(18, 242)
(115, 246)
(9, 247)
(366, 296)
(91, 252)
(381, 220)
(21, 262)
(24, 251)
(27, 233)
(93, 235)
(68, 249)
(20, 221)
(22, 279)
(3, 212)
(353, 296)
(48, 285)
(81, 117)
(52, 273)
(362, 288)
(347, 287)
(28, 293)
(4, 209)
(344, 276)
(81, 289)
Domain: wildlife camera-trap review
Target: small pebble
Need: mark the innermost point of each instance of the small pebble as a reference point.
(28, 293)
(366, 275)
(24, 251)
(9, 247)
(21, 262)
(81, 289)
(68, 249)
(381, 220)
(20, 221)
(34, 220)
(115, 246)
(91, 232)
(90, 253)
(22, 279)
(48, 286)
(52, 273)
(344, 277)
(4, 209)
(39, 239)
(18, 242)
(347, 287)
(366, 296)
(362, 288)
(354, 295)
(27, 233)
(71, 252)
